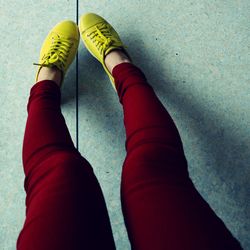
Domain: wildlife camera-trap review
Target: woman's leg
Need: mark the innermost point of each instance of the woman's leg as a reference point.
(161, 206)
(65, 208)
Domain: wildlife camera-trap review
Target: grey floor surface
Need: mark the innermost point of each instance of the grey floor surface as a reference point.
(195, 55)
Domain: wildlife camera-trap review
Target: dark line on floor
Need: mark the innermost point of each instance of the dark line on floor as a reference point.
(77, 101)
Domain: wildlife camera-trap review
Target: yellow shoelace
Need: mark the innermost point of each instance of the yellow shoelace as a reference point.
(102, 38)
(57, 54)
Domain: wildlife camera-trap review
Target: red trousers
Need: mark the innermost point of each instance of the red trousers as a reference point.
(65, 208)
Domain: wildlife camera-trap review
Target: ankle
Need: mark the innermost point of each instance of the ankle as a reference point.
(52, 74)
(115, 57)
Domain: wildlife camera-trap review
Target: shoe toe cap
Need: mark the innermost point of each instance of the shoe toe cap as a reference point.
(67, 29)
(88, 20)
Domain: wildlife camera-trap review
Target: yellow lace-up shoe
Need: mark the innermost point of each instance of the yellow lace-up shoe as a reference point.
(99, 38)
(59, 47)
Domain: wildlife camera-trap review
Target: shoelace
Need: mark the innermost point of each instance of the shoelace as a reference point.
(57, 54)
(102, 37)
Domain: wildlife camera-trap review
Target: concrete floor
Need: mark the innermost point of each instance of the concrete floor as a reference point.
(195, 55)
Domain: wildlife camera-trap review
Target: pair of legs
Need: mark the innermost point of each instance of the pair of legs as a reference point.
(65, 207)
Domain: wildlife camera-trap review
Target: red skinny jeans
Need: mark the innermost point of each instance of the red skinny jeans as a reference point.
(65, 207)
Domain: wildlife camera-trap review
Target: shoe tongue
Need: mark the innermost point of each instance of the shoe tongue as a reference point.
(112, 48)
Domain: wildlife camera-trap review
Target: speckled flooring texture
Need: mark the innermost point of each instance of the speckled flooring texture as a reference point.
(196, 56)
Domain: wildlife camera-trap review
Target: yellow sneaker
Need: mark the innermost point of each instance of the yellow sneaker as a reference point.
(60, 47)
(99, 38)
